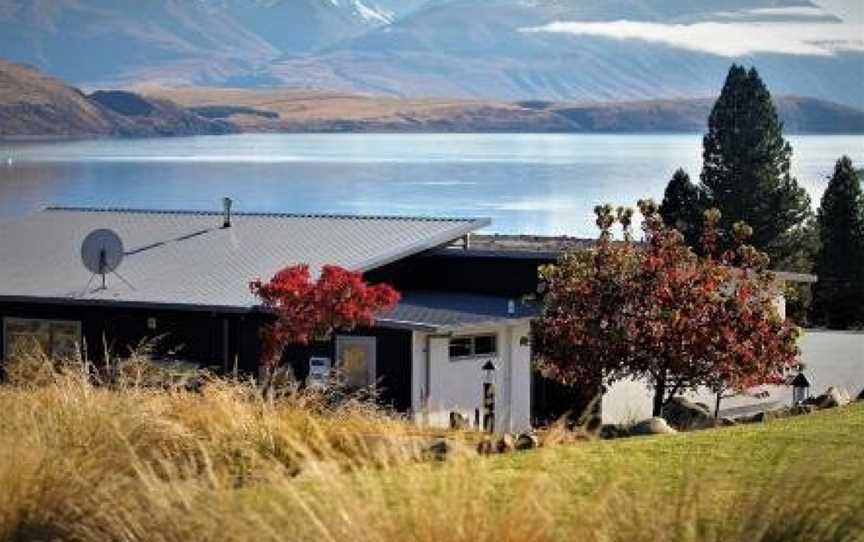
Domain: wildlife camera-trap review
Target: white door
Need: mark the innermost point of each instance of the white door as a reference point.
(355, 359)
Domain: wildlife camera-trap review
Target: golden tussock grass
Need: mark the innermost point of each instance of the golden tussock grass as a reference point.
(87, 460)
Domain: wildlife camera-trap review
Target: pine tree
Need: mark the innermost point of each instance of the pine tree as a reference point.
(746, 171)
(682, 208)
(839, 295)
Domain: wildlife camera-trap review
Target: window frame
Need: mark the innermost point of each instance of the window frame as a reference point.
(51, 322)
(473, 346)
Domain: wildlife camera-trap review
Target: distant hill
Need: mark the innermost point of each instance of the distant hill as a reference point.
(33, 104)
(271, 110)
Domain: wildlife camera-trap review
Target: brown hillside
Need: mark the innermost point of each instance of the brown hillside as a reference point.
(33, 104)
(286, 110)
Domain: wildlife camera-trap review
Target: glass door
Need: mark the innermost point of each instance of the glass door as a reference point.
(355, 360)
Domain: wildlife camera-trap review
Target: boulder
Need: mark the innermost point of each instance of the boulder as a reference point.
(527, 441)
(652, 426)
(685, 415)
(832, 398)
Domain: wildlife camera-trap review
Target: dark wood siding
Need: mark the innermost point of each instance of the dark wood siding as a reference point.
(214, 340)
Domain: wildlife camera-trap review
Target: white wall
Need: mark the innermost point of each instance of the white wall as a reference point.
(457, 385)
(832, 358)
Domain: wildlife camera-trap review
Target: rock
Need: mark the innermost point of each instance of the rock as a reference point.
(611, 431)
(505, 444)
(759, 417)
(486, 447)
(832, 398)
(652, 426)
(444, 449)
(527, 441)
(860, 396)
(685, 415)
(801, 410)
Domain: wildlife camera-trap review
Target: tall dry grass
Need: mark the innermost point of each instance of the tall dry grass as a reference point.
(89, 459)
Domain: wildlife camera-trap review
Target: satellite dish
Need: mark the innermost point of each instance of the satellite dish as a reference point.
(102, 252)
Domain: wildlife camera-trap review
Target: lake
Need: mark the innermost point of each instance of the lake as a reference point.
(539, 184)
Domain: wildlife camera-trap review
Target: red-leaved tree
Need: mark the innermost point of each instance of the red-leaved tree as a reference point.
(656, 311)
(307, 309)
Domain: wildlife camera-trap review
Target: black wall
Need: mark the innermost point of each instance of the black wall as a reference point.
(489, 275)
(393, 363)
(193, 336)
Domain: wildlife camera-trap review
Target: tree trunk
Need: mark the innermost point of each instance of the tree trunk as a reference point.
(659, 393)
(717, 404)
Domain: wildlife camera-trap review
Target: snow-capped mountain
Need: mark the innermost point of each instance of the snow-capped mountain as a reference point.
(589, 50)
(594, 50)
(371, 14)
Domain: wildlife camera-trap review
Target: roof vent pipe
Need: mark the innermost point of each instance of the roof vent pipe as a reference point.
(226, 212)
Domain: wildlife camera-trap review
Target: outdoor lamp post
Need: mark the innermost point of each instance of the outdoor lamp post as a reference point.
(800, 388)
(488, 370)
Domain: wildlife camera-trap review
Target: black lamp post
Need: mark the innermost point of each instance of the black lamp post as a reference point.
(488, 369)
(800, 388)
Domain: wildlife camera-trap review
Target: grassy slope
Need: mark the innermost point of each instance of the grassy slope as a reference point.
(796, 479)
(824, 446)
(82, 462)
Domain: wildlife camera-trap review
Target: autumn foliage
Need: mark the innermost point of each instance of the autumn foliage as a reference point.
(307, 309)
(655, 310)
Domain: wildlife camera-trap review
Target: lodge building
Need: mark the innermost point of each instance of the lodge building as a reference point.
(184, 281)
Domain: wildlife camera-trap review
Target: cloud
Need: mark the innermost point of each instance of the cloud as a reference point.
(728, 39)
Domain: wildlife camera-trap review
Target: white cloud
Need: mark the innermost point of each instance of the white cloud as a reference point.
(728, 39)
(797, 11)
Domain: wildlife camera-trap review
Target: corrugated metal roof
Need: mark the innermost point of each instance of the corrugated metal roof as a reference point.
(435, 311)
(186, 258)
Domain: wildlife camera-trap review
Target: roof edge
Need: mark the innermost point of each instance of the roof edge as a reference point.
(264, 214)
(79, 302)
(423, 245)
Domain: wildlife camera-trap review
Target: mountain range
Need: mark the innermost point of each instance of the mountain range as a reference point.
(553, 50)
(33, 104)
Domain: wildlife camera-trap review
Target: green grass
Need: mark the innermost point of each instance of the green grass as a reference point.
(825, 446)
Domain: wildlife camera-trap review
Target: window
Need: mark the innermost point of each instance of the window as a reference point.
(473, 346)
(54, 337)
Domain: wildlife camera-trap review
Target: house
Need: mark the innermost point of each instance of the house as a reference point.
(184, 279)
(467, 300)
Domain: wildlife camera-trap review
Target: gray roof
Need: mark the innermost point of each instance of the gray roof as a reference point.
(186, 259)
(446, 311)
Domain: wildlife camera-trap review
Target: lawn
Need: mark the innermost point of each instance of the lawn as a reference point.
(86, 461)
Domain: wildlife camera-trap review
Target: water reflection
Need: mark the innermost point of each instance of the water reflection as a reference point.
(544, 184)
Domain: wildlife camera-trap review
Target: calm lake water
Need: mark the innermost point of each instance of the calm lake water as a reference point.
(542, 184)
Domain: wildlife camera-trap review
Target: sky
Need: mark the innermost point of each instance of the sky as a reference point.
(790, 30)
(851, 11)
